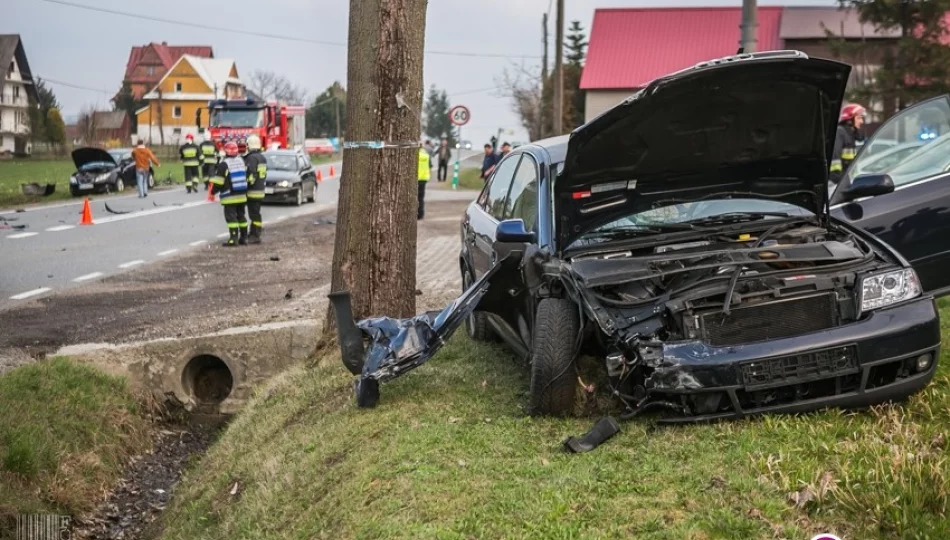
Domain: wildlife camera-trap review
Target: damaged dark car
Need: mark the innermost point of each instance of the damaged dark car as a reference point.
(684, 239)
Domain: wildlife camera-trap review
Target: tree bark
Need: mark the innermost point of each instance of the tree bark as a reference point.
(374, 255)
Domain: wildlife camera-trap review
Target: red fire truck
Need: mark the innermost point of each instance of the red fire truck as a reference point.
(234, 120)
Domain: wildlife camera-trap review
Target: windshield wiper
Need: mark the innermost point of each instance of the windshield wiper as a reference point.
(636, 230)
(736, 217)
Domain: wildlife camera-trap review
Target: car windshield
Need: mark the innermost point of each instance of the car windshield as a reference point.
(237, 118)
(661, 218)
(119, 155)
(282, 162)
(930, 160)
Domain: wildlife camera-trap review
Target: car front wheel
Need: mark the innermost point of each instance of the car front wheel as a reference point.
(476, 325)
(119, 185)
(151, 180)
(553, 377)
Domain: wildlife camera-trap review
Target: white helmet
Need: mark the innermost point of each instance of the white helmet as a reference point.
(253, 142)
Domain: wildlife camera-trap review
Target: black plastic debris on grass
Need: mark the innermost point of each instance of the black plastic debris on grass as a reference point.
(383, 348)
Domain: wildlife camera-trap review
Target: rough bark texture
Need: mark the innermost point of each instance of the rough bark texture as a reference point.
(374, 254)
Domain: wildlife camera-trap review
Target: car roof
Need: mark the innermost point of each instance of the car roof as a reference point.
(556, 147)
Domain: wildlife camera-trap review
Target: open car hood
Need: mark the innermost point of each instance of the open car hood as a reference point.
(84, 156)
(751, 126)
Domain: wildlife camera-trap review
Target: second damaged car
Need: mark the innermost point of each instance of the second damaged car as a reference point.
(683, 238)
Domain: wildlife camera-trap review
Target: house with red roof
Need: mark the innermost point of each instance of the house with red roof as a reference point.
(630, 47)
(149, 63)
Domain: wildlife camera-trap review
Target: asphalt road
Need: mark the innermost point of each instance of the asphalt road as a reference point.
(54, 252)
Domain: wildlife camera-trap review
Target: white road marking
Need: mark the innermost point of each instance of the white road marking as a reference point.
(223, 235)
(167, 252)
(23, 235)
(87, 277)
(61, 228)
(131, 263)
(151, 212)
(198, 243)
(28, 294)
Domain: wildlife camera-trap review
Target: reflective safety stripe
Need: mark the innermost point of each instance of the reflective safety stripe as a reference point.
(189, 152)
(234, 199)
(191, 163)
(836, 165)
(257, 224)
(243, 224)
(261, 171)
(848, 153)
(233, 225)
(256, 194)
(217, 180)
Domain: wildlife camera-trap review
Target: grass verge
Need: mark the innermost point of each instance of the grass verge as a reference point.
(56, 171)
(468, 179)
(449, 454)
(66, 430)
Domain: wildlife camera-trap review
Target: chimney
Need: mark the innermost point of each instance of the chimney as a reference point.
(165, 43)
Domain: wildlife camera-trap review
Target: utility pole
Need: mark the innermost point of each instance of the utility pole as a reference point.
(750, 23)
(374, 251)
(559, 70)
(544, 72)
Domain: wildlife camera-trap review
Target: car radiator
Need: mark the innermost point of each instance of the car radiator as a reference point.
(772, 320)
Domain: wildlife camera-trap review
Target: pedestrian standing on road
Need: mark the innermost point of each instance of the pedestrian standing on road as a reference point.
(445, 155)
(209, 155)
(425, 171)
(143, 158)
(488, 162)
(230, 182)
(191, 159)
(505, 150)
(256, 173)
(430, 148)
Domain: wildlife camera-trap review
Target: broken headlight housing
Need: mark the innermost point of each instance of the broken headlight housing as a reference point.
(889, 288)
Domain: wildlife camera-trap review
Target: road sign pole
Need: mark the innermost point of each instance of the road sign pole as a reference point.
(458, 152)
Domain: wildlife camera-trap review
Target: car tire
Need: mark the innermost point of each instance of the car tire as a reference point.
(299, 200)
(151, 180)
(313, 195)
(553, 379)
(119, 186)
(476, 324)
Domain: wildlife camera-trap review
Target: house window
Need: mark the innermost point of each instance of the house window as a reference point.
(151, 70)
(176, 111)
(16, 92)
(12, 67)
(178, 86)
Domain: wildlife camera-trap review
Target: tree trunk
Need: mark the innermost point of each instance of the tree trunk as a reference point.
(374, 255)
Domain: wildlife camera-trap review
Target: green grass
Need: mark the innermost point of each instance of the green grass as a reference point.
(468, 179)
(66, 430)
(55, 171)
(320, 160)
(449, 454)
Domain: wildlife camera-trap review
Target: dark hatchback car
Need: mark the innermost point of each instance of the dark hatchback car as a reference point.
(99, 171)
(684, 239)
(291, 177)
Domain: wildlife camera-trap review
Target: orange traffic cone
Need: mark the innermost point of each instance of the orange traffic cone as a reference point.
(319, 175)
(210, 194)
(86, 214)
(332, 173)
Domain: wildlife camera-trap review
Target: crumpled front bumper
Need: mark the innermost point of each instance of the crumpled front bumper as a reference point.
(856, 365)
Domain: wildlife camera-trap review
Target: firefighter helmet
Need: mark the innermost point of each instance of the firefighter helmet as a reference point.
(231, 149)
(189, 137)
(850, 112)
(253, 142)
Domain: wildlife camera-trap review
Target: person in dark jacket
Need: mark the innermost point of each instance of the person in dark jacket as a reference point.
(256, 173)
(445, 155)
(191, 159)
(230, 183)
(846, 140)
(488, 162)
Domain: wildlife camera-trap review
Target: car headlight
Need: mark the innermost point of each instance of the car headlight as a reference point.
(72, 180)
(103, 177)
(882, 290)
(284, 184)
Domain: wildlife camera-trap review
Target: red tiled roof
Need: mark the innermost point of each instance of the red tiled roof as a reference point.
(168, 54)
(631, 47)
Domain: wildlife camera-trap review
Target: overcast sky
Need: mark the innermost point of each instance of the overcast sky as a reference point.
(90, 49)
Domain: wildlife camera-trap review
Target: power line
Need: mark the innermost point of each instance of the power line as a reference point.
(263, 34)
(72, 85)
(480, 90)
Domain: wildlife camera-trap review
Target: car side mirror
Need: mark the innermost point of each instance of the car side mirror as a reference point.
(512, 231)
(869, 185)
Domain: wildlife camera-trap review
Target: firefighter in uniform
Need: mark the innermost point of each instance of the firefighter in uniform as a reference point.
(191, 159)
(209, 155)
(256, 173)
(849, 133)
(230, 183)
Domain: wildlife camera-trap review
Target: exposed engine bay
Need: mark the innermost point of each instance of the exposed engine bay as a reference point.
(660, 306)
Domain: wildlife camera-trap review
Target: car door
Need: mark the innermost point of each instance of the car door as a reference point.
(487, 213)
(915, 217)
(304, 170)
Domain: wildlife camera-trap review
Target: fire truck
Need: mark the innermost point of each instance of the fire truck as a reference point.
(234, 120)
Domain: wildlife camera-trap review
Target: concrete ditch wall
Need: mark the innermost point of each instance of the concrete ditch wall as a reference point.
(214, 373)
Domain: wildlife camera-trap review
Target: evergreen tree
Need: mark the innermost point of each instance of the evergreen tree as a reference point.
(125, 101)
(55, 127)
(575, 48)
(575, 52)
(39, 109)
(436, 113)
(322, 114)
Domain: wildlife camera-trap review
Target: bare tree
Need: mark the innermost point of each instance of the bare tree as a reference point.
(374, 255)
(86, 124)
(523, 86)
(271, 86)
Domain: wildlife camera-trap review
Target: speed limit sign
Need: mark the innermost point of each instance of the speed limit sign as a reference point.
(459, 115)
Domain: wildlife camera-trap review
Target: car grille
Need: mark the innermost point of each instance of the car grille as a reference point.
(799, 368)
(774, 320)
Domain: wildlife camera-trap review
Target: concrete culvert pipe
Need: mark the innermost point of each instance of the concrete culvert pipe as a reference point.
(207, 379)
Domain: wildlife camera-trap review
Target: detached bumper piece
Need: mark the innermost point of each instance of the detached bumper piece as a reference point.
(604, 429)
(381, 349)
